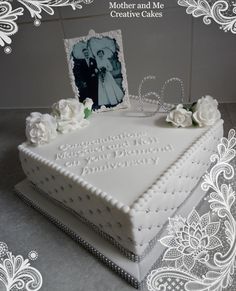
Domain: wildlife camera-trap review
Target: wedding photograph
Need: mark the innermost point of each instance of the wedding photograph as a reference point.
(97, 71)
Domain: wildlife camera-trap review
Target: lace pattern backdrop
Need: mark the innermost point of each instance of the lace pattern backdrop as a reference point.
(9, 15)
(200, 248)
(16, 273)
(228, 12)
(220, 11)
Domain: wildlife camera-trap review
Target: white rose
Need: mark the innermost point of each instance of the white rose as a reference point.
(69, 114)
(205, 112)
(180, 117)
(68, 109)
(88, 103)
(40, 128)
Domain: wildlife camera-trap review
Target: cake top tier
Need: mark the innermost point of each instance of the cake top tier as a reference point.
(120, 153)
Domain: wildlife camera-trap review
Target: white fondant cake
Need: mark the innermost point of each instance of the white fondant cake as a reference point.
(124, 174)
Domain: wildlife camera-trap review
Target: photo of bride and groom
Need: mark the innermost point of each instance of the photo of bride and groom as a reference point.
(97, 71)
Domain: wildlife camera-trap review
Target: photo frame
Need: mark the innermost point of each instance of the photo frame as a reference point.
(97, 69)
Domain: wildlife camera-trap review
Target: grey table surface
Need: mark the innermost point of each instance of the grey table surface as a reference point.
(64, 265)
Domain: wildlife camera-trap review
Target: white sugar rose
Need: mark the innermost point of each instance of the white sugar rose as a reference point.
(68, 109)
(88, 103)
(205, 112)
(180, 117)
(69, 114)
(40, 128)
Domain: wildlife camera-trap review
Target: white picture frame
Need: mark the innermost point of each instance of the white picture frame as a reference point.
(96, 64)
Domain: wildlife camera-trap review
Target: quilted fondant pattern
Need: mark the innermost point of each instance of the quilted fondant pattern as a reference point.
(135, 230)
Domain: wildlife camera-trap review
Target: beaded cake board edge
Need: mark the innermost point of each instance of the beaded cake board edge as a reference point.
(134, 273)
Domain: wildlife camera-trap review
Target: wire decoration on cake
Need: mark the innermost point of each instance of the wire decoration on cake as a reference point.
(8, 15)
(165, 106)
(203, 244)
(158, 98)
(218, 12)
(16, 272)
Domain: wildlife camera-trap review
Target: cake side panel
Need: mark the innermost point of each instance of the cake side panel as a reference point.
(149, 218)
(91, 208)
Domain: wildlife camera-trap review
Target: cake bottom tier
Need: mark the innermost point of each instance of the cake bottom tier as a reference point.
(135, 273)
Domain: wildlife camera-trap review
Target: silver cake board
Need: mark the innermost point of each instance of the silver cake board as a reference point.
(134, 273)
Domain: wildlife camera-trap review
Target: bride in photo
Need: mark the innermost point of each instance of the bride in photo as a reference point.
(109, 93)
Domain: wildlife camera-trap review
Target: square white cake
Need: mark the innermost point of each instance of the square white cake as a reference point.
(123, 174)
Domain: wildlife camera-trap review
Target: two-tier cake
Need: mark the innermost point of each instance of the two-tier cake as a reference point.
(124, 174)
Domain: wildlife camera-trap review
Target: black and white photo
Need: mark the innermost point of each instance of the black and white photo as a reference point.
(97, 69)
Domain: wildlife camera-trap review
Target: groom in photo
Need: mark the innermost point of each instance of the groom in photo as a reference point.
(86, 77)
